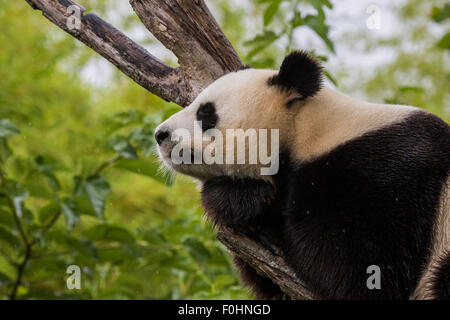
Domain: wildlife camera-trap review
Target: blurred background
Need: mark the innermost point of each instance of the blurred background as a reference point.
(79, 181)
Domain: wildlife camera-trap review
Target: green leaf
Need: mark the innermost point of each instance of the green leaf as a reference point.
(154, 119)
(271, 10)
(17, 194)
(267, 37)
(441, 14)
(105, 232)
(5, 151)
(317, 23)
(412, 89)
(444, 43)
(260, 42)
(89, 163)
(27, 216)
(144, 138)
(319, 4)
(6, 219)
(297, 20)
(9, 237)
(94, 190)
(7, 128)
(197, 249)
(83, 206)
(38, 187)
(146, 167)
(122, 146)
(264, 63)
(123, 119)
(71, 215)
(97, 189)
(46, 268)
(7, 268)
(331, 78)
(115, 255)
(47, 166)
(48, 211)
(4, 280)
(83, 247)
(222, 281)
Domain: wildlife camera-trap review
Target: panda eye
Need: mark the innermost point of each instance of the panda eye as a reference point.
(206, 113)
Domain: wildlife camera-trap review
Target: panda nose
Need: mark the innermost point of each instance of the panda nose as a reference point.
(161, 135)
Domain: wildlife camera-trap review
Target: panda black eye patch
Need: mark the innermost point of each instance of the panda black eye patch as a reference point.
(206, 113)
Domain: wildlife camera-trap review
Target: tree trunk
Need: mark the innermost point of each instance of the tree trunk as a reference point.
(188, 29)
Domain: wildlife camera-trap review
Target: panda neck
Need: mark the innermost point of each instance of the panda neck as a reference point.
(330, 119)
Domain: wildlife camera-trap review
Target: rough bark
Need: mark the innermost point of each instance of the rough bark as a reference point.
(265, 257)
(187, 28)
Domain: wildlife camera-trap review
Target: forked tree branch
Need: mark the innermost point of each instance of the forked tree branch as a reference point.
(187, 28)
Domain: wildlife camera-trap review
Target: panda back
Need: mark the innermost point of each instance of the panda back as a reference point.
(373, 200)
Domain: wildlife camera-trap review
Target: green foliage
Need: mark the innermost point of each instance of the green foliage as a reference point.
(417, 77)
(440, 14)
(7, 128)
(444, 43)
(281, 18)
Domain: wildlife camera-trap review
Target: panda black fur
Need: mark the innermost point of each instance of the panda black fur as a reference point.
(371, 191)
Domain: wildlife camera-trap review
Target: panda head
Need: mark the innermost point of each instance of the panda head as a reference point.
(202, 140)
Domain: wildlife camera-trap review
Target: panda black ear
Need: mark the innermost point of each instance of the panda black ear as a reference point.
(299, 72)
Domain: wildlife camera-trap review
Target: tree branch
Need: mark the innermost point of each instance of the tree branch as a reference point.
(265, 257)
(20, 270)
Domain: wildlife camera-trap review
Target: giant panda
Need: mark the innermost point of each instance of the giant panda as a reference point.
(358, 184)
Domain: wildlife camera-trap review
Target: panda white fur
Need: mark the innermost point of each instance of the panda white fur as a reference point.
(359, 184)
